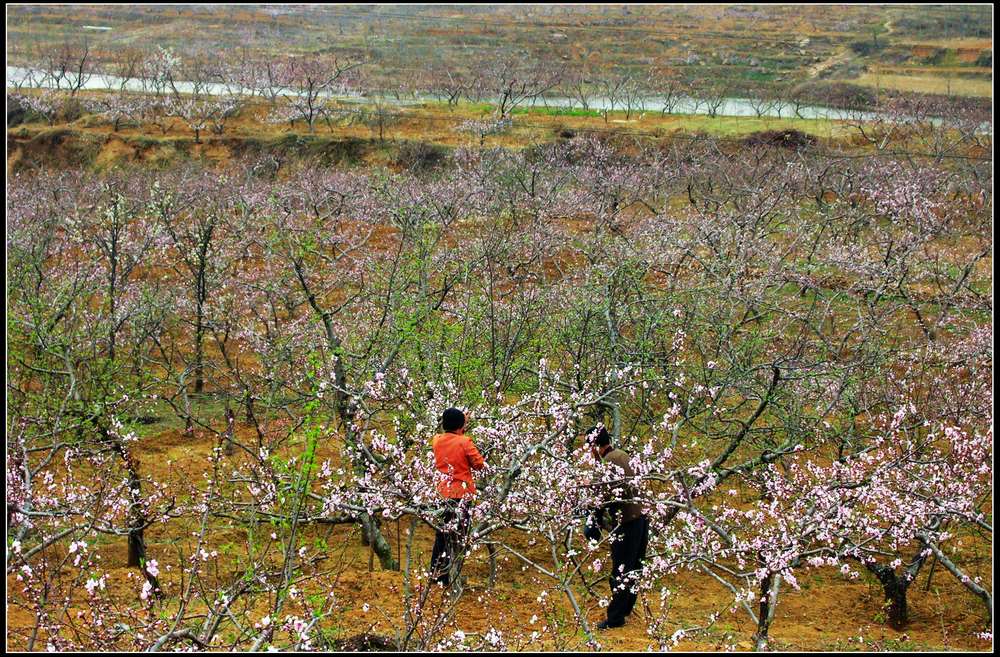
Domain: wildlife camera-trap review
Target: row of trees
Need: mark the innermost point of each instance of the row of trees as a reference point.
(307, 83)
(796, 348)
(202, 90)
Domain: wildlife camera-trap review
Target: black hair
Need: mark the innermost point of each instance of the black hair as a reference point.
(598, 436)
(452, 419)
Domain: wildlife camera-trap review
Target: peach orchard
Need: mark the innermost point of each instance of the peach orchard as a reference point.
(794, 346)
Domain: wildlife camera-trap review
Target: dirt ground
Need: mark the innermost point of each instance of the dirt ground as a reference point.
(828, 613)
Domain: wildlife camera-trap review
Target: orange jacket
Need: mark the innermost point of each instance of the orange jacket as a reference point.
(456, 457)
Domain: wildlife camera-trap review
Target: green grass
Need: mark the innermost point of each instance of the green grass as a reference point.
(150, 140)
(161, 417)
(740, 126)
(559, 111)
(759, 76)
(722, 126)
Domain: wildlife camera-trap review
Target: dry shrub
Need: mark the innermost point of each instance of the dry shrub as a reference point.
(420, 156)
(791, 138)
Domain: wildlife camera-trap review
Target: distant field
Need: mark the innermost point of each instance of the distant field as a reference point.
(752, 48)
(928, 85)
(967, 72)
(959, 42)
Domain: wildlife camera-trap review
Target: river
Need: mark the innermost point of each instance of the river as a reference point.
(687, 105)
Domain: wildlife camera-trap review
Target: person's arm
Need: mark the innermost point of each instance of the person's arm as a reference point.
(592, 526)
(476, 461)
(599, 514)
(596, 514)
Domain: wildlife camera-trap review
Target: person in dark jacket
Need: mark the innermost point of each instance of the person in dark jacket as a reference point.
(629, 528)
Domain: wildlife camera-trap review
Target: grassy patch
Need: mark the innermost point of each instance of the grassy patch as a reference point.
(758, 76)
(739, 126)
(558, 111)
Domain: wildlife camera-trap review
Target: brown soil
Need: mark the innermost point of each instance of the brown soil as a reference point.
(822, 616)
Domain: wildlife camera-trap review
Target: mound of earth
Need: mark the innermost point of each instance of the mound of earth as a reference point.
(364, 643)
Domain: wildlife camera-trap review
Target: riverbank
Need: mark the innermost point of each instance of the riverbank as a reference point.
(682, 105)
(419, 133)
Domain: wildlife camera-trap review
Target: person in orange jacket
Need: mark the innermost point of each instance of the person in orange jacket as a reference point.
(456, 457)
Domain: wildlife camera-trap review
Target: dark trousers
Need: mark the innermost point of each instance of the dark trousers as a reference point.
(628, 549)
(448, 543)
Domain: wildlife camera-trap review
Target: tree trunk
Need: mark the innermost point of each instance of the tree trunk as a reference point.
(491, 582)
(894, 588)
(370, 533)
(765, 614)
(136, 548)
(136, 541)
(374, 538)
(230, 430)
(968, 582)
(199, 371)
(199, 331)
(136, 515)
(248, 404)
(898, 615)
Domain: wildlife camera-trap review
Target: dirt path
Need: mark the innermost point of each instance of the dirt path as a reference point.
(841, 56)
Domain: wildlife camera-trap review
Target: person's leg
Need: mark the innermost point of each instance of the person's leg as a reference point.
(638, 538)
(630, 555)
(619, 606)
(441, 553)
(453, 540)
(439, 557)
(644, 544)
(645, 540)
(459, 538)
